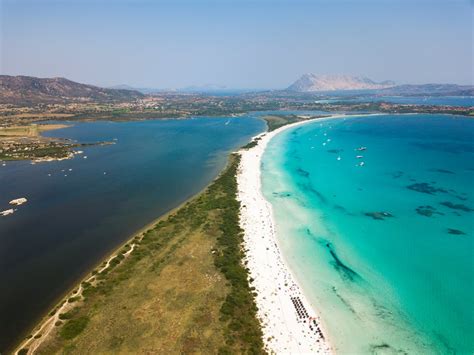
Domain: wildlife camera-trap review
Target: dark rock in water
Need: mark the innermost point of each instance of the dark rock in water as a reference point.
(457, 206)
(307, 187)
(378, 215)
(447, 147)
(340, 208)
(335, 151)
(427, 211)
(343, 210)
(343, 300)
(443, 171)
(346, 272)
(380, 347)
(302, 172)
(455, 231)
(385, 348)
(281, 194)
(426, 188)
(397, 174)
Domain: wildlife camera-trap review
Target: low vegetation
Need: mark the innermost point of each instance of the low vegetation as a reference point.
(252, 143)
(276, 121)
(183, 289)
(32, 151)
(25, 142)
(74, 327)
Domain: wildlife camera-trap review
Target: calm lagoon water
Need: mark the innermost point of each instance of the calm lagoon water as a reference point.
(384, 251)
(70, 222)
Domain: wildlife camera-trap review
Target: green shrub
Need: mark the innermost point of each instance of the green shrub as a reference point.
(74, 327)
(68, 315)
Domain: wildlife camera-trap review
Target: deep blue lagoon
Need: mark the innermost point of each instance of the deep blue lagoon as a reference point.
(73, 218)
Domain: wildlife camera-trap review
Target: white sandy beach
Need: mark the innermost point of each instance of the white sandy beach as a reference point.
(278, 294)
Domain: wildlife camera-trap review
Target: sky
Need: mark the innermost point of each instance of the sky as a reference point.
(253, 44)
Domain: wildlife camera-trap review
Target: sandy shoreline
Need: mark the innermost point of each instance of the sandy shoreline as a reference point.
(289, 322)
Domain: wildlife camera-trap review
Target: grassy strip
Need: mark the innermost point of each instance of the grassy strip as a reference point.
(276, 121)
(183, 289)
(239, 310)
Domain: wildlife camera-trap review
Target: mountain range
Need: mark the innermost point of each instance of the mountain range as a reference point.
(31, 90)
(25, 90)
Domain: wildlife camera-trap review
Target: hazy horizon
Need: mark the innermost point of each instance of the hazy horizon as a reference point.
(258, 44)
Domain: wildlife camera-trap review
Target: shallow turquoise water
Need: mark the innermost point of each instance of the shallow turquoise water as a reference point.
(384, 250)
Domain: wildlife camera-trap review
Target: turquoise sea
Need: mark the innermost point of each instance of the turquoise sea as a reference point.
(384, 250)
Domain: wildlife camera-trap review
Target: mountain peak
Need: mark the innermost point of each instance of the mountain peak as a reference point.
(310, 82)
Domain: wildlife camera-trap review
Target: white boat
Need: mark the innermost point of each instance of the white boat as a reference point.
(18, 201)
(361, 163)
(7, 212)
(339, 158)
(360, 149)
(359, 156)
